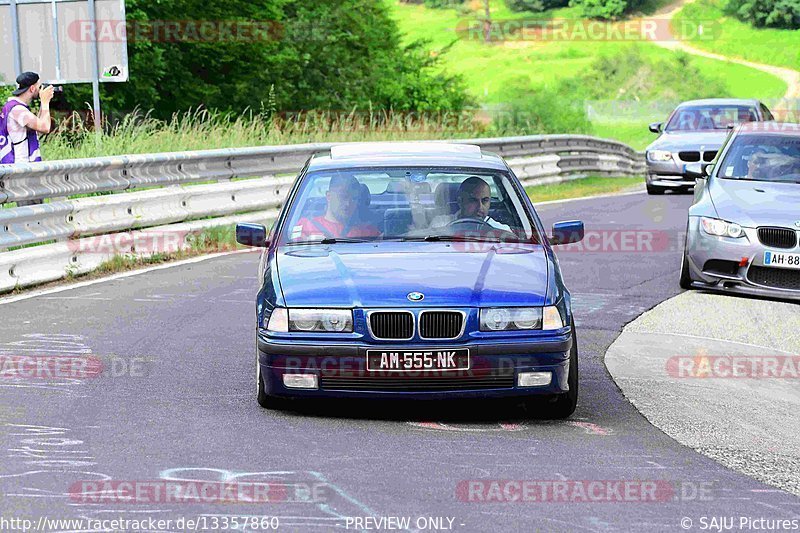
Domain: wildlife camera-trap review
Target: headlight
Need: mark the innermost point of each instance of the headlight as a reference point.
(321, 320)
(721, 228)
(511, 318)
(659, 155)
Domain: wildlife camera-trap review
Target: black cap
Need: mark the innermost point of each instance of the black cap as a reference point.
(25, 80)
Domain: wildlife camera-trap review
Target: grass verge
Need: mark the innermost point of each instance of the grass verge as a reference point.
(734, 38)
(579, 188)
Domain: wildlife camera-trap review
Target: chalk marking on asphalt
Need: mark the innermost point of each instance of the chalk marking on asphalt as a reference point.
(325, 508)
(438, 426)
(93, 298)
(590, 428)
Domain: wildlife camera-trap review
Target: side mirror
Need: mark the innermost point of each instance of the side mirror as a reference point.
(567, 232)
(697, 170)
(251, 234)
(655, 127)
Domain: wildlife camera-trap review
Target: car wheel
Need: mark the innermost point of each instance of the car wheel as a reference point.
(563, 405)
(265, 400)
(652, 189)
(686, 279)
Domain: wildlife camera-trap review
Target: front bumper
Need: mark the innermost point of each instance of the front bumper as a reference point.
(667, 174)
(702, 248)
(341, 370)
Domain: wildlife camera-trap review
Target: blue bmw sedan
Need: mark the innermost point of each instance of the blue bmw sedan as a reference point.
(413, 270)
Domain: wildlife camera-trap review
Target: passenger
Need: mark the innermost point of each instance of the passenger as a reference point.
(474, 199)
(341, 218)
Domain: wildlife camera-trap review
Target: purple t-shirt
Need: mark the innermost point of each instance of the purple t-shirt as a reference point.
(14, 147)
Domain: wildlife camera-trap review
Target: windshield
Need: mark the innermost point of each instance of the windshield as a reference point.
(407, 204)
(718, 117)
(763, 158)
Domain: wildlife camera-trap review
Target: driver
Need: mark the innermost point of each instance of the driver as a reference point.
(341, 216)
(756, 165)
(474, 199)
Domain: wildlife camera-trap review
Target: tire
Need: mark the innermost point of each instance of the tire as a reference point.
(686, 279)
(563, 405)
(652, 189)
(265, 400)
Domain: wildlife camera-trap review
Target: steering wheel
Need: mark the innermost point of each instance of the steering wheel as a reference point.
(478, 225)
(474, 224)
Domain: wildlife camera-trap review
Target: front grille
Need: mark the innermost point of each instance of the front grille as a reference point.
(778, 278)
(440, 324)
(689, 157)
(391, 325)
(709, 156)
(417, 383)
(777, 237)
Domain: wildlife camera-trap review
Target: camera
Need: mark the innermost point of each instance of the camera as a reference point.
(56, 88)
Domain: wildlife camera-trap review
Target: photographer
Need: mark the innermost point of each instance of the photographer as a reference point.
(19, 141)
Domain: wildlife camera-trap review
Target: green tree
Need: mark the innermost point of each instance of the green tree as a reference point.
(318, 54)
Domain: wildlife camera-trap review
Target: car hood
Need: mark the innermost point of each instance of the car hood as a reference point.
(369, 275)
(690, 140)
(756, 203)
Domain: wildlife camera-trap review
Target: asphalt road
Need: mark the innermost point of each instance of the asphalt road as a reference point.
(176, 401)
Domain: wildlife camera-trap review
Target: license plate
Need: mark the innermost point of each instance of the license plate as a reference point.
(410, 360)
(781, 260)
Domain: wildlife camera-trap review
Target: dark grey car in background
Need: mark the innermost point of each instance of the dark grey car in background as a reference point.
(743, 233)
(693, 133)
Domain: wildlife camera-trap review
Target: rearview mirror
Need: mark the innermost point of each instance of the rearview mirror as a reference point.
(655, 127)
(697, 170)
(567, 232)
(251, 234)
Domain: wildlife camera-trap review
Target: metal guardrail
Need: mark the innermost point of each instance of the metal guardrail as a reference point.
(167, 204)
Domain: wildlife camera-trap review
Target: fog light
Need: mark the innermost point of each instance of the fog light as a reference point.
(300, 381)
(534, 379)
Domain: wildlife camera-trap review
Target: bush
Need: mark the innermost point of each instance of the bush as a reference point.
(535, 6)
(783, 14)
(442, 4)
(606, 9)
(630, 75)
(529, 112)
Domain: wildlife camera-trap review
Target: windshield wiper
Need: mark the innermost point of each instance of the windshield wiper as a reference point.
(457, 238)
(328, 240)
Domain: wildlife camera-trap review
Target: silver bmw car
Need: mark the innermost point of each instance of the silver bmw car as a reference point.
(693, 133)
(744, 224)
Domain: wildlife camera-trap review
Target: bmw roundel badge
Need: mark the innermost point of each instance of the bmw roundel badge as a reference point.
(415, 296)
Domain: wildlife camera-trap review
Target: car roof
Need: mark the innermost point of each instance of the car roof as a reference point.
(720, 101)
(405, 154)
(769, 128)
